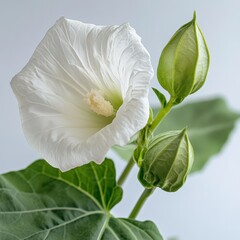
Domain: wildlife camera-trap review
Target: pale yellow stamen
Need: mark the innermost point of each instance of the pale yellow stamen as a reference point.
(99, 104)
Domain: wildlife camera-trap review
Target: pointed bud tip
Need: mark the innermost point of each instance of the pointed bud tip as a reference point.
(184, 130)
(194, 16)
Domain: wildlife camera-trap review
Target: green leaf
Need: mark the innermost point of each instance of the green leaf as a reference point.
(209, 125)
(40, 202)
(125, 152)
(160, 97)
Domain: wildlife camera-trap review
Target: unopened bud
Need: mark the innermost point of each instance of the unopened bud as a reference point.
(167, 161)
(184, 62)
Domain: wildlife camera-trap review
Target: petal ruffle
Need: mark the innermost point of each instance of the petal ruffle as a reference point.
(72, 59)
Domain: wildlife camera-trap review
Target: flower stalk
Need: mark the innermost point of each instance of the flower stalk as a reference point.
(126, 172)
(161, 114)
(145, 195)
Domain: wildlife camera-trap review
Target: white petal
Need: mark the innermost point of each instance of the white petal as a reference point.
(71, 60)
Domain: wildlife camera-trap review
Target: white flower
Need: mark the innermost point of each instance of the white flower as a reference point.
(84, 90)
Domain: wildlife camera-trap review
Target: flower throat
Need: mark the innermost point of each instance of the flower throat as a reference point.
(98, 104)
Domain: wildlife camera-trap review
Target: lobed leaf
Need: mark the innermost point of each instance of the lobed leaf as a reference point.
(41, 202)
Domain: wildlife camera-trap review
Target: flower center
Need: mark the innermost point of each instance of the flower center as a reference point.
(98, 103)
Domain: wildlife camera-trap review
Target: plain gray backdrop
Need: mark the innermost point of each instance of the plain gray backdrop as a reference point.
(208, 206)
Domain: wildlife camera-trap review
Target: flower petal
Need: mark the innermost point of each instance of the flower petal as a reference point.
(73, 59)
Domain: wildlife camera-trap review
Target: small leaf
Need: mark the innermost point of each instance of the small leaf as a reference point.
(40, 202)
(167, 161)
(161, 97)
(209, 124)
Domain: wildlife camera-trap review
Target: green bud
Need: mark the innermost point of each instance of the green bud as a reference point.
(167, 161)
(184, 62)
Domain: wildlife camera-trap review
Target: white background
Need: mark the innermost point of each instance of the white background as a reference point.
(208, 206)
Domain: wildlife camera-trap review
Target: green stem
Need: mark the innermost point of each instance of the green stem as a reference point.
(146, 193)
(126, 171)
(161, 114)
